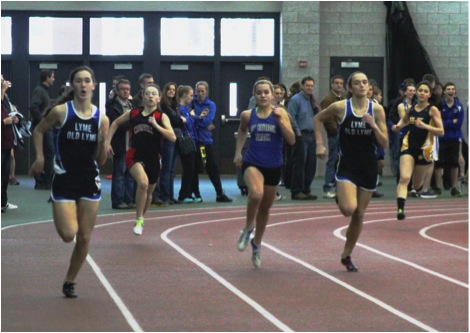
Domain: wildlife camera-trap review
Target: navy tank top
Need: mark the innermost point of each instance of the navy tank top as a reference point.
(76, 142)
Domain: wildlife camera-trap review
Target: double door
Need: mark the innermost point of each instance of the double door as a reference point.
(230, 84)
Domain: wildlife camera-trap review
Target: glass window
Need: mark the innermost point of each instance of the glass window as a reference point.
(187, 36)
(6, 35)
(247, 37)
(55, 35)
(103, 32)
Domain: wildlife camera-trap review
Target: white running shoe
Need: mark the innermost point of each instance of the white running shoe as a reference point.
(329, 195)
(255, 256)
(139, 226)
(9, 205)
(244, 239)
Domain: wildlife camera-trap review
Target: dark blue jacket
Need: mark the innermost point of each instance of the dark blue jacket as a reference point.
(452, 131)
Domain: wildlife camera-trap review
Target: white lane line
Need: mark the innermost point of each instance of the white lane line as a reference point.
(115, 297)
(349, 287)
(338, 234)
(265, 313)
(423, 233)
(104, 281)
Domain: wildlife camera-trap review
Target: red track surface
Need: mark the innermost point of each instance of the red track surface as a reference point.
(185, 273)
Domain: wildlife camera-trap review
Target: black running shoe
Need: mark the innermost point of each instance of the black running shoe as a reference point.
(349, 265)
(69, 290)
(223, 198)
(401, 214)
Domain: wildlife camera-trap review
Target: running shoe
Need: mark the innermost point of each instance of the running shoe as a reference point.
(401, 214)
(244, 239)
(255, 256)
(278, 197)
(414, 194)
(139, 226)
(223, 198)
(429, 194)
(9, 205)
(329, 195)
(68, 289)
(349, 264)
(455, 192)
(197, 200)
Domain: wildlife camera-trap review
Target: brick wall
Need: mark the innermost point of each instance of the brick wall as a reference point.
(316, 31)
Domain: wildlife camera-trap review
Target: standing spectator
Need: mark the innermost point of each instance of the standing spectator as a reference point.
(79, 136)
(287, 174)
(452, 113)
(377, 98)
(424, 121)
(205, 110)
(362, 128)
(262, 162)
(169, 106)
(113, 92)
(144, 80)
(148, 127)
(7, 144)
(302, 108)
(40, 100)
(190, 177)
(280, 94)
(122, 184)
(336, 94)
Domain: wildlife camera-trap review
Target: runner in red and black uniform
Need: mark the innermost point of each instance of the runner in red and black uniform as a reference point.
(149, 126)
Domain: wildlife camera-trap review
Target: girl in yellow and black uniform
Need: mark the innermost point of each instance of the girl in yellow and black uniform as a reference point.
(416, 152)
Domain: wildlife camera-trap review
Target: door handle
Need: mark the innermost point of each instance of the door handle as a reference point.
(225, 120)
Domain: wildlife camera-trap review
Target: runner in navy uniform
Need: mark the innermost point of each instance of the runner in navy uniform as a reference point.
(149, 126)
(80, 130)
(417, 150)
(361, 127)
(262, 162)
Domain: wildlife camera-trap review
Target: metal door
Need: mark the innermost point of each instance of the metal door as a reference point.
(104, 73)
(373, 67)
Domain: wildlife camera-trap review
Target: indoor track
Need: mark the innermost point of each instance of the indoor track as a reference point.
(185, 273)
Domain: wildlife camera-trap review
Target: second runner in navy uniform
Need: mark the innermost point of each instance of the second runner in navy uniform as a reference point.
(361, 128)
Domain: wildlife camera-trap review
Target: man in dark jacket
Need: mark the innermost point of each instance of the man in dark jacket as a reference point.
(122, 185)
(39, 103)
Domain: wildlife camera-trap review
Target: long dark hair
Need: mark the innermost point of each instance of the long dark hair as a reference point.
(165, 101)
(69, 95)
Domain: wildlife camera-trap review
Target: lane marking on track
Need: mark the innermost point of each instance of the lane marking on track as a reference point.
(423, 233)
(338, 234)
(115, 297)
(353, 289)
(260, 309)
(135, 326)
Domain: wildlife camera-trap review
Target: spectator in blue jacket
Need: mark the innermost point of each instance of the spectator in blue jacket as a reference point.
(205, 110)
(452, 114)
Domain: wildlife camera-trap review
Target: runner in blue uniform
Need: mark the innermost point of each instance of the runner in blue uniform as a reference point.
(261, 165)
(79, 136)
(361, 126)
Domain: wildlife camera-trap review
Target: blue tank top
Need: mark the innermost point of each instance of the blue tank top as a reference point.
(265, 148)
(76, 143)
